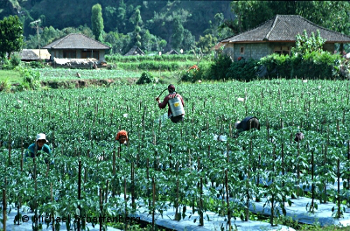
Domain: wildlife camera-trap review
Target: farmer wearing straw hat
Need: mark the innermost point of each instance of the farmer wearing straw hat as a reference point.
(40, 146)
(247, 123)
(122, 137)
(172, 95)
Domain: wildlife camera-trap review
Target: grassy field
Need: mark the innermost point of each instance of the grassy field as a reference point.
(10, 75)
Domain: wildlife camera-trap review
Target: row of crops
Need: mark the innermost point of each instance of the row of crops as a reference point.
(177, 165)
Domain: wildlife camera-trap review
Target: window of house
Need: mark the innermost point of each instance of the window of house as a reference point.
(285, 50)
(90, 54)
(69, 54)
(242, 50)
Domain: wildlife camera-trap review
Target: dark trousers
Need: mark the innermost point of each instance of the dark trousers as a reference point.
(176, 119)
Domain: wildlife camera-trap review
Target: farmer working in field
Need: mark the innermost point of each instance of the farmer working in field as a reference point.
(299, 137)
(175, 104)
(39, 147)
(122, 137)
(247, 123)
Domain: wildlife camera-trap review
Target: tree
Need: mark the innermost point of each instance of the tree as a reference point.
(206, 43)
(305, 44)
(97, 21)
(137, 22)
(178, 34)
(11, 35)
(188, 41)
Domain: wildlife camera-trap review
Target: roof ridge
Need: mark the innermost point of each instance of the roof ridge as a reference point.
(271, 29)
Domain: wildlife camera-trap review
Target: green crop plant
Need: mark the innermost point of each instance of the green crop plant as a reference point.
(178, 166)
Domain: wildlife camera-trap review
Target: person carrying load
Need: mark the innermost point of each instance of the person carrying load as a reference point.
(247, 123)
(175, 104)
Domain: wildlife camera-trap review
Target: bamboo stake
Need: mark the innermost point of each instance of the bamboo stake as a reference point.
(114, 173)
(338, 189)
(132, 176)
(4, 207)
(79, 191)
(153, 202)
(312, 180)
(349, 161)
(125, 206)
(177, 192)
(9, 148)
(228, 192)
(200, 202)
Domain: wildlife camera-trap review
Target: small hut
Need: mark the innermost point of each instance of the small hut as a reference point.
(135, 51)
(172, 52)
(28, 55)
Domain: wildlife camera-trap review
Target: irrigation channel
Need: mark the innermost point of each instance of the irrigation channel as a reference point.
(178, 172)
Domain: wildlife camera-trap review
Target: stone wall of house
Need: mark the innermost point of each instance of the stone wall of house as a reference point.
(248, 51)
(258, 50)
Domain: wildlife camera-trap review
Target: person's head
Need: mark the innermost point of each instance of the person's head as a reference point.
(171, 88)
(237, 124)
(122, 136)
(299, 137)
(41, 140)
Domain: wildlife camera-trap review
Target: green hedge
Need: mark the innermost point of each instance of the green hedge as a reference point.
(139, 58)
(314, 65)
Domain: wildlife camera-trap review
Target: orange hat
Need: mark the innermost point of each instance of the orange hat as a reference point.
(122, 133)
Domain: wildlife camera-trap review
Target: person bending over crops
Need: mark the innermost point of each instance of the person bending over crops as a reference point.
(247, 123)
(299, 137)
(176, 110)
(122, 137)
(39, 147)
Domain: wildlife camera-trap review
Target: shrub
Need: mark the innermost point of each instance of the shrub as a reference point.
(30, 79)
(145, 78)
(220, 67)
(242, 70)
(5, 86)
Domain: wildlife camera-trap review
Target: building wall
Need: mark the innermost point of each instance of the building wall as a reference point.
(255, 50)
(258, 50)
(78, 54)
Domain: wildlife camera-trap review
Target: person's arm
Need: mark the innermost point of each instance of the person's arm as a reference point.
(164, 103)
(182, 101)
(47, 150)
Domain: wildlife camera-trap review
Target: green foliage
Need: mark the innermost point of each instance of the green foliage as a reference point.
(10, 64)
(206, 43)
(15, 60)
(5, 86)
(193, 75)
(220, 67)
(97, 21)
(137, 30)
(87, 119)
(314, 65)
(178, 34)
(242, 70)
(11, 35)
(30, 79)
(305, 44)
(145, 78)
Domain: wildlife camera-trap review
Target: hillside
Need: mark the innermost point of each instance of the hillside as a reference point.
(157, 16)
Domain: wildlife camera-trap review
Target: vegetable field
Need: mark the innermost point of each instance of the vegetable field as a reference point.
(177, 165)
